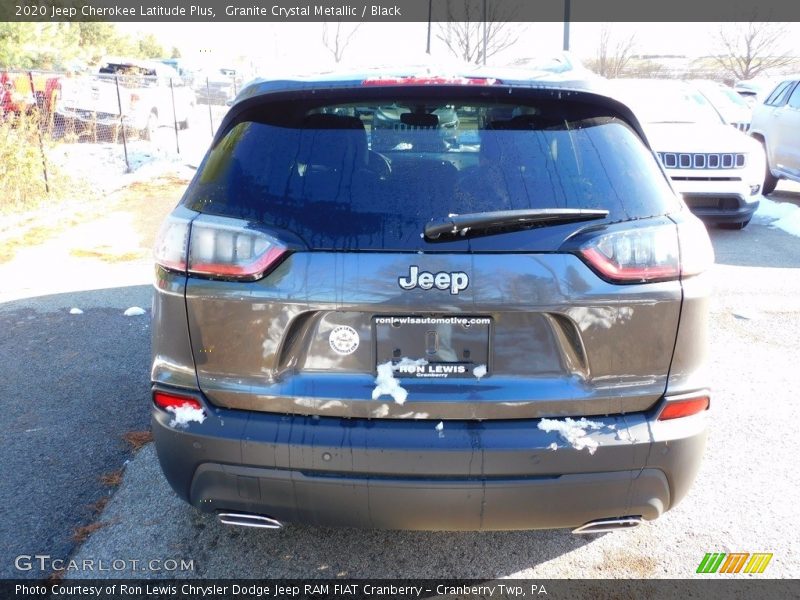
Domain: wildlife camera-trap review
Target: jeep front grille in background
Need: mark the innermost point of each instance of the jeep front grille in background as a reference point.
(702, 160)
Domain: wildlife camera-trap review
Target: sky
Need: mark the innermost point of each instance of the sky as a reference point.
(281, 46)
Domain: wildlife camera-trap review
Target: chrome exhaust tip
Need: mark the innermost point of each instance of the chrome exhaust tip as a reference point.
(606, 525)
(248, 520)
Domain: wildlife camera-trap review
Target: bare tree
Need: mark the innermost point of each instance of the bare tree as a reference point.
(336, 41)
(465, 38)
(613, 55)
(745, 50)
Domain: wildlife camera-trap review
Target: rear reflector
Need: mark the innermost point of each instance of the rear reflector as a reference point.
(676, 409)
(429, 80)
(166, 400)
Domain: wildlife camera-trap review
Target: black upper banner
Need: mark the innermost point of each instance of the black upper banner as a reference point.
(401, 10)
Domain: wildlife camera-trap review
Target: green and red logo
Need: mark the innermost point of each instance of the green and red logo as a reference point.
(735, 562)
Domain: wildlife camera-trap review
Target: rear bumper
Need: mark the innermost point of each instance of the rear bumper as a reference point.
(394, 474)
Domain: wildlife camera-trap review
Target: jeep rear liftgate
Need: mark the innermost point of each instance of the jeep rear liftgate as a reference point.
(537, 335)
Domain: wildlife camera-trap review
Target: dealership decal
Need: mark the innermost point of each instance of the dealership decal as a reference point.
(344, 340)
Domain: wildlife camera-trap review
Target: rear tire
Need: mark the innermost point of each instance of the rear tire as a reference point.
(770, 181)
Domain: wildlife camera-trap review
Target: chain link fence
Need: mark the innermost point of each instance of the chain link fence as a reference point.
(54, 125)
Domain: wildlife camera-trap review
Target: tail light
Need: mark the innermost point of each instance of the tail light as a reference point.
(167, 400)
(649, 254)
(697, 253)
(218, 247)
(172, 244)
(684, 407)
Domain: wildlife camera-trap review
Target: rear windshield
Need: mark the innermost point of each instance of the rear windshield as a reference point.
(370, 175)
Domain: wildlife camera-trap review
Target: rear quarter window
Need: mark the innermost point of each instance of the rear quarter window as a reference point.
(369, 175)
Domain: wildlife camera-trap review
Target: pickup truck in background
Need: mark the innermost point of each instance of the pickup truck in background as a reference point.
(146, 92)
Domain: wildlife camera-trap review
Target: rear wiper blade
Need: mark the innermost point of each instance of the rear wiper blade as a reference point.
(501, 221)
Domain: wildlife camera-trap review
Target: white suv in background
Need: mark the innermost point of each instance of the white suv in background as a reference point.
(776, 124)
(718, 169)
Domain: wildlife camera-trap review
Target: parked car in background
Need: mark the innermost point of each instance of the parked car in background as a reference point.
(718, 170)
(776, 125)
(730, 105)
(394, 125)
(183, 69)
(148, 91)
(753, 90)
(504, 333)
(217, 86)
(23, 92)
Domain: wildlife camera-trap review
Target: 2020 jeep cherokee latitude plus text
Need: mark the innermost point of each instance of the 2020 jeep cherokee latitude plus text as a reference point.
(500, 326)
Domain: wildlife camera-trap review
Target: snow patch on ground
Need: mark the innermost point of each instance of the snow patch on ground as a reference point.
(573, 432)
(75, 311)
(186, 414)
(134, 311)
(101, 166)
(479, 371)
(387, 385)
(781, 215)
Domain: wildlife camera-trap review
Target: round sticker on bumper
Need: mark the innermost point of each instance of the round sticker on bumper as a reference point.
(344, 340)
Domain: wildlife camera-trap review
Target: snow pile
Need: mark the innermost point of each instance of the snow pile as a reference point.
(134, 311)
(479, 371)
(573, 432)
(75, 311)
(387, 385)
(186, 414)
(783, 215)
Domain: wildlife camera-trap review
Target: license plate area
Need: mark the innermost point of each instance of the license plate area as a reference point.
(452, 346)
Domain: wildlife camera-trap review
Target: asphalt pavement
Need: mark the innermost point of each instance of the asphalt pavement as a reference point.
(71, 386)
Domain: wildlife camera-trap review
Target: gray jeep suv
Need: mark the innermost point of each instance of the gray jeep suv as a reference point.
(500, 327)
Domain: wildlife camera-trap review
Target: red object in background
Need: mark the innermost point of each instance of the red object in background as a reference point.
(21, 92)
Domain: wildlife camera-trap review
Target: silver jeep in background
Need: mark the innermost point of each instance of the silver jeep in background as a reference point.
(776, 124)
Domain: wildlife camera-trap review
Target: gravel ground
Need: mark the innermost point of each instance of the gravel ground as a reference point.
(743, 499)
